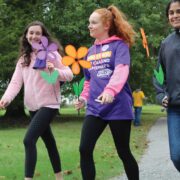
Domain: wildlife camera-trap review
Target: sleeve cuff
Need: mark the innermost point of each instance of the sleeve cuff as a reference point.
(160, 98)
(110, 91)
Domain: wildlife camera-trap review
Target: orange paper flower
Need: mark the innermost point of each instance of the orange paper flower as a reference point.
(74, 58)
(144, 41)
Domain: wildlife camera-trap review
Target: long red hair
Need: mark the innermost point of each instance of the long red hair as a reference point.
(119, 25)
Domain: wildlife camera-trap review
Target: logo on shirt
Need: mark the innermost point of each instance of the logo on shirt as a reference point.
(105, 47)
(106, 54)
(104, 73)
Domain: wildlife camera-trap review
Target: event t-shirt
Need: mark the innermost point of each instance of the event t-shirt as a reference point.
(104, 58)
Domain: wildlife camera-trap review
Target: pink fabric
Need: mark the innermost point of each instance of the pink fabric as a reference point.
(85, 92)
(108, 40)
(118, 80)
(37, 92)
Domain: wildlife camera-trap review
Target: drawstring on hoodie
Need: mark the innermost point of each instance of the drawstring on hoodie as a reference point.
(100, 52)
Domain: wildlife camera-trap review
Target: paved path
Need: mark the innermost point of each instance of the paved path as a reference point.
(156, 163)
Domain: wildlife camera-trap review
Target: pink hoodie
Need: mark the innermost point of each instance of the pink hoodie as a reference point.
(37, 92)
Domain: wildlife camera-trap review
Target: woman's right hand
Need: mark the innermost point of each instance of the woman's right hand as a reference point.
(165, 102)
(80, 103)
(3, 104)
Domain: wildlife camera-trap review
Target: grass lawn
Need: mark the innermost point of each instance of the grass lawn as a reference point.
(67, 134)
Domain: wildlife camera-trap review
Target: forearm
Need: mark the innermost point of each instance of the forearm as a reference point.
(118, 80)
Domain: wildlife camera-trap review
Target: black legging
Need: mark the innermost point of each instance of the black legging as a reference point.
(120, 129)
(40, 126)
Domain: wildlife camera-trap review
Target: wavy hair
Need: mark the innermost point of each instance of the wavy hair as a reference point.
(25, 47)
(119, 25)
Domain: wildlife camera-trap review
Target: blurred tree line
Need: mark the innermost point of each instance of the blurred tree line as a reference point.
(67, 20)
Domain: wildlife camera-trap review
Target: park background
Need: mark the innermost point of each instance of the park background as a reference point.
(67, 20)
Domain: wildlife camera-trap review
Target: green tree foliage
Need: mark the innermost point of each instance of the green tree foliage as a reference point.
(14, 16)
(149, 15)
(68, 21)
(71, 27)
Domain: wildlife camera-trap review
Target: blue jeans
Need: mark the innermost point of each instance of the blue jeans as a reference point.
(173, 120)
(137, 114)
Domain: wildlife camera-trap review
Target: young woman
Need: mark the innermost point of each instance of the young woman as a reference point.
(41, 98)
(168, 93)
(106, 90)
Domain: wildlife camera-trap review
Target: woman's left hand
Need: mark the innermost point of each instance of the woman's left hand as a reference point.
(50, 66)
(105, 98)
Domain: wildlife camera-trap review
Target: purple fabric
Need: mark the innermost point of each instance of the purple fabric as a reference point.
(45, 52)
(104, 58)
(39, 64)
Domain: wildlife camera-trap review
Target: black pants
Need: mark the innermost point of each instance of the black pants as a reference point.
(120, 129)
(40, 127)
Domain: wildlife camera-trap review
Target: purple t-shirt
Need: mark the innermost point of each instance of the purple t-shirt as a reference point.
(104, 58)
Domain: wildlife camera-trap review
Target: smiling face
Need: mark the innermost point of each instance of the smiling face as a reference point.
(174, 15)
(97, 29)
(34, 34)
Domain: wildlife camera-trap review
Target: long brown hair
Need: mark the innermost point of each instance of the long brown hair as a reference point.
(25, 47)
(119, 25)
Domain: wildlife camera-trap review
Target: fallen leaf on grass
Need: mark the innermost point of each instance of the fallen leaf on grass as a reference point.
(110, 155)
(37, 174)
(67, 172)
(2, 177)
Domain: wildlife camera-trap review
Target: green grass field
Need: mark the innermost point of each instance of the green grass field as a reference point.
(67, 134)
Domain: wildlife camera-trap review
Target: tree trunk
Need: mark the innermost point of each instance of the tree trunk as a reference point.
(15, 110)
